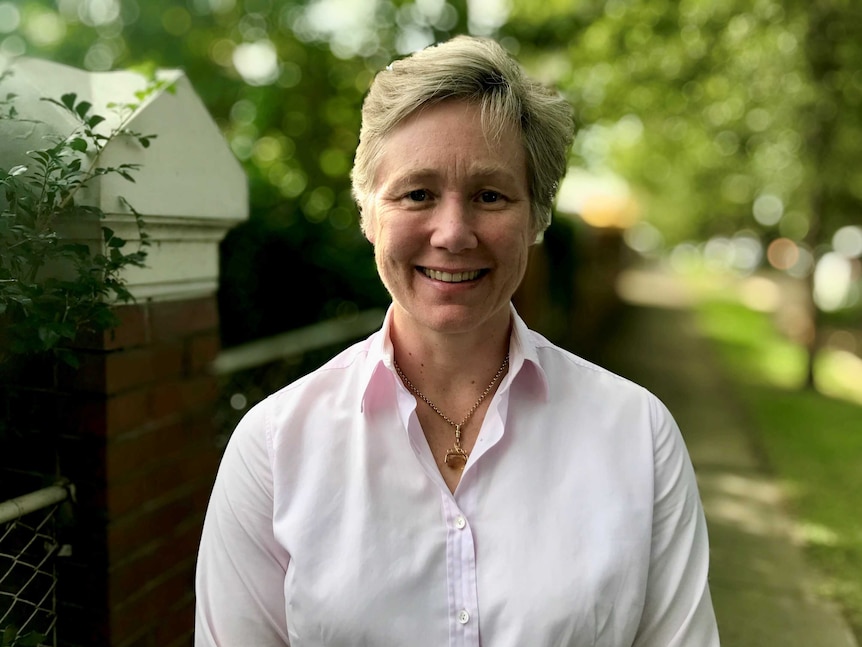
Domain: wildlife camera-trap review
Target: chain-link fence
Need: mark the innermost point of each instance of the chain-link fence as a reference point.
(28, 582)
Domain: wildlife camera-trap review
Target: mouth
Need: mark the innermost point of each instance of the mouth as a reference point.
(452, 277)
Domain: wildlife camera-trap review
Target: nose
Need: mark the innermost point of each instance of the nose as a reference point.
(454, 226)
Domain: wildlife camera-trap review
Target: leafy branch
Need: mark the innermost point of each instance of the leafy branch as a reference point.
(43, 309)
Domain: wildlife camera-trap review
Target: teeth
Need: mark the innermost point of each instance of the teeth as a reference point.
(449, 277)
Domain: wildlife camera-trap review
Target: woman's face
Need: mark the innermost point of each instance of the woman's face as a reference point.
(450, 221)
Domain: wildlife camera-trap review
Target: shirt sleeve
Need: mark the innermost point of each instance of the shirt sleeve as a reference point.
(241, 568)
(678, 609)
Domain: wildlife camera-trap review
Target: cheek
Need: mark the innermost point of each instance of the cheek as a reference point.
(521, 257)
(397, 235)
(518, 247)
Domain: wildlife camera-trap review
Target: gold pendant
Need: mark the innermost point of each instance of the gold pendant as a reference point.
(456, 458)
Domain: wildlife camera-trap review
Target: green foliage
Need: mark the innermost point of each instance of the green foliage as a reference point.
(51, 289)
(705, 106)
(11, 637)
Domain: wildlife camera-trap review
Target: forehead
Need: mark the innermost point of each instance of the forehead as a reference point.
(451, 139)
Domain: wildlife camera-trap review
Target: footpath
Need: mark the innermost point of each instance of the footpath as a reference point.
(764, 592)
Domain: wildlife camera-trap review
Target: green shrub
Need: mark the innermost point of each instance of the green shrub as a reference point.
(51, 289)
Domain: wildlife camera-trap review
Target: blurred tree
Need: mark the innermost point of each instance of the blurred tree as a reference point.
(676, 97)
(725, 116)
(833, 126)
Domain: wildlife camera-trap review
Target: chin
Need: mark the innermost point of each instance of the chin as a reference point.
(457, 319)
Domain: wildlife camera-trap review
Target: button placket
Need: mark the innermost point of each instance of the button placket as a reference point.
(461, 560)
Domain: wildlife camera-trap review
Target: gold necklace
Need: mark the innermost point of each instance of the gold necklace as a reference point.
(456, 456)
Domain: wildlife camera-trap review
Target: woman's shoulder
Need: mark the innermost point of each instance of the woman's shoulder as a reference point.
(564, 365)
(349, 362)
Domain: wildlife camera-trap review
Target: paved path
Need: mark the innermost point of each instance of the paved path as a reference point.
(764, 592)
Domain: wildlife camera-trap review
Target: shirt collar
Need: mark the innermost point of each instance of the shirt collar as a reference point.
(379, 362)
(524, 361)
(524, 364)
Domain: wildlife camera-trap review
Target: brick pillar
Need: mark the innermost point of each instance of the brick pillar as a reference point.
(130, 429)
(139, 447)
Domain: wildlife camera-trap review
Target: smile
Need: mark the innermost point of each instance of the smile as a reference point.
(451, 277)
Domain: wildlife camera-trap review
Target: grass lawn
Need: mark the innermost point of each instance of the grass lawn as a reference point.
(812, 442)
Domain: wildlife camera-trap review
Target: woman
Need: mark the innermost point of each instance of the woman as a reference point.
(455, 478)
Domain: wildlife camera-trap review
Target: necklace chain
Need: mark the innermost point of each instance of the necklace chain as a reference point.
(472, 410)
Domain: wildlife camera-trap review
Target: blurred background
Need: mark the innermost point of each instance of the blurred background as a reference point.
(717, 169)
(726, 134)
(722, 134)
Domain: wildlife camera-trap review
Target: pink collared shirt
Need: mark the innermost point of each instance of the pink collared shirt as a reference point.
(577, 521)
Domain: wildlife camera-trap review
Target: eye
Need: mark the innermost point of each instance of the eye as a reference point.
(418, 195)
(489, 197)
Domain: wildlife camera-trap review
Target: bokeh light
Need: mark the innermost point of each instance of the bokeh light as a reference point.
(643, 238)
(782, 253)
(768, 209)
(256, 63)
(847, 241)
(10, 17)
(833, 279)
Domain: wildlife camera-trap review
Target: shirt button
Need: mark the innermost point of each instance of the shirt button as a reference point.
(460, 522)
(463, 616)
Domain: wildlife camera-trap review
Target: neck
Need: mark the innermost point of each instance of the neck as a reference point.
(445, 362)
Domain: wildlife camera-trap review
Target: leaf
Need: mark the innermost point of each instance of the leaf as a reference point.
(79, 144)
(66, 329)
(122, 294)
(78, 250)
(138, 259)
(116, 241)
(83, 108)
(95, 120)
(42, 155)
(70, 359)
(103, 317)
(32, 639)
(17, 170)
(68, 100)
(48, 336)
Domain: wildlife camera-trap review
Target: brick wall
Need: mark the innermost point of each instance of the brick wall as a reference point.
(139, 446)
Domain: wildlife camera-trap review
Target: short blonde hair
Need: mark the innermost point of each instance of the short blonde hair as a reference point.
(480, 71)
